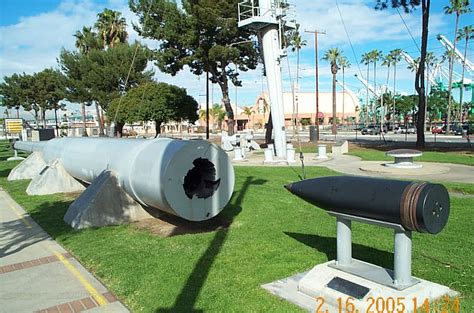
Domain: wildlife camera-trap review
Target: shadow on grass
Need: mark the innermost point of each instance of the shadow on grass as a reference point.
(5, 172)
(49, 215)
(188, 296)
(327, 245)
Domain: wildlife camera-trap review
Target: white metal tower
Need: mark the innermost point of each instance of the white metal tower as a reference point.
(269, 19)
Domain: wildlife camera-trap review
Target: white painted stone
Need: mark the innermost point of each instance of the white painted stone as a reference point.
(321, 152)
(103, 203)
(29, 168)
(53, 178)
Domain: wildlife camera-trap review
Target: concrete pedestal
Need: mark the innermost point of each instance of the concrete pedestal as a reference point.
(29, 168)
(104, 203)
(310, 291)
(53, 178)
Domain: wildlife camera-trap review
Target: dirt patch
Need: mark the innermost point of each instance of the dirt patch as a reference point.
(168, 225)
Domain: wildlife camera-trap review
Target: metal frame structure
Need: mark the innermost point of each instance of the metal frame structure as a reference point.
(460, 57)
(270, 19)
(400, 278)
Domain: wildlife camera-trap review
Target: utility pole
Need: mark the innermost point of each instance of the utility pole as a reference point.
(316, 32)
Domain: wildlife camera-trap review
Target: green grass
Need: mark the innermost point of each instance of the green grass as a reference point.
(428, 156)
(273, 235)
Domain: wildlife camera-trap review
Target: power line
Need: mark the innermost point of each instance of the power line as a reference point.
(408, 29)
(348, 38)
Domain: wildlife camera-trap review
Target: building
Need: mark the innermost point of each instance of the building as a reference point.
(303, 109)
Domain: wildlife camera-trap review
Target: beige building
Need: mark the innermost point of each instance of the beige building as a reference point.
(304, 108)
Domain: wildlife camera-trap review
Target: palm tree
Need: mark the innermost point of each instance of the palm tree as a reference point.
(386, 61)
(396, 55)
(431, 60)
(296, 43)
(112, 27)
(332, 56)
(375, 55)
(248, 111)
(466, 33)
(457, 7)
(218, 114)
(87, 40)
(366, 59)
(343, 64)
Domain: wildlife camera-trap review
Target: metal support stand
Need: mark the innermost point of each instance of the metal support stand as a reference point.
(402, 257)
(344, 242)
(399, 278)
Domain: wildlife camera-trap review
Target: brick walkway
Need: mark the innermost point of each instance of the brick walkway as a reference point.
(38, 275)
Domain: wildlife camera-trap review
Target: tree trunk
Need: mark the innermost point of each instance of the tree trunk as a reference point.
(420, 76)
(84, 125)
(99, 119)
(394, 90)
(56, 121)
(43, 117)
(375, 89)
(334, 119)
(450, 80)
(343, 96)
(158, 128)
(367, 97)
(462, 80)
(118, 129)
(269, 130)
(228, 109)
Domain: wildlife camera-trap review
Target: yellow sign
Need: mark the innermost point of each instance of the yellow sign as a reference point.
(13, 125)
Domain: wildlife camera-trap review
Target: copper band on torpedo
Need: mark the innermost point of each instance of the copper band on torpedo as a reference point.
(408, 205)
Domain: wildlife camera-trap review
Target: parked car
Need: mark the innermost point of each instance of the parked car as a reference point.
(438, 129)
(460, 129)
(402, 129)
(371, 130)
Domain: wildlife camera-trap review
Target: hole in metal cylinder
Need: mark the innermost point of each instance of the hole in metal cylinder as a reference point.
(201, 180)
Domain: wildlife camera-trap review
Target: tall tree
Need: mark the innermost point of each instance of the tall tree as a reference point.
(49, 89)
(101, 75)
(408, 5)
(396, 56)
(376, 56)
(296, 43)
(457, 7)
(202, 35)
(87, 40)
(333, 55)
(157, 102)
(248, 111)
(12, 90)
(431, 61)
(387, 61)
(343, 64)
(466, 33)
(112, 28)
(366, 60)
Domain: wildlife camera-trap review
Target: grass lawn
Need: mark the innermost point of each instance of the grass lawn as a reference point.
(273, 235)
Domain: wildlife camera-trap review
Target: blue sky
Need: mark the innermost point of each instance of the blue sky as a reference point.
(32, 32)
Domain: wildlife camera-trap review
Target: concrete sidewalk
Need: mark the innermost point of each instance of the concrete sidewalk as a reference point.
(37, 274)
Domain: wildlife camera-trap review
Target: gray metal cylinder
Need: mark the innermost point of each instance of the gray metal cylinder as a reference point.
(192, 179)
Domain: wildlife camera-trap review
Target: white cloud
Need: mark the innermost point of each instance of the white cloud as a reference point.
(364, 24)
(34, 43)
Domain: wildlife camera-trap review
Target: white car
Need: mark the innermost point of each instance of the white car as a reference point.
(404, 129)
